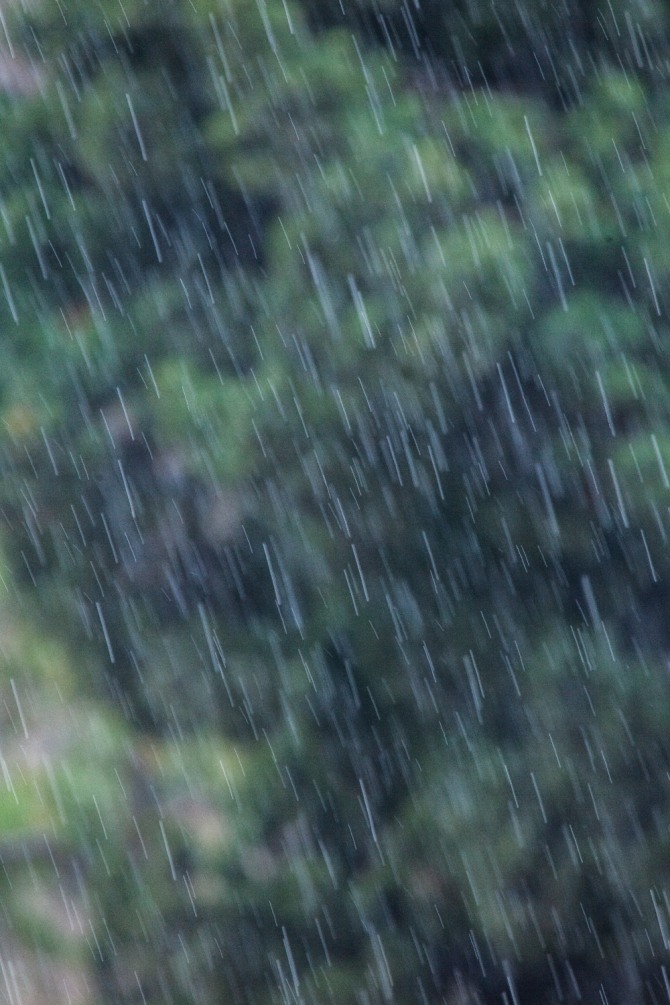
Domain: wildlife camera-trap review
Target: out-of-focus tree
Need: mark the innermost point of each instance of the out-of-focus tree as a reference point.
(336, 448)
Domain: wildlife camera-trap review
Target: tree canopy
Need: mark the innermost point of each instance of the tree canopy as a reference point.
(335, 491)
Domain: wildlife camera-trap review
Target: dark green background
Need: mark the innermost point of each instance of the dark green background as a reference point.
(335, 482)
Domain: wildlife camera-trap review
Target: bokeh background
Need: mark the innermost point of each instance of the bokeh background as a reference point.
(334, 498)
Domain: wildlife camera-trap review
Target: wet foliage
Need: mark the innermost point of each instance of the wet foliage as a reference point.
(335, 446)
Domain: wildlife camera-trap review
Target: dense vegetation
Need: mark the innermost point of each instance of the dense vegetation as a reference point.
(336, 452)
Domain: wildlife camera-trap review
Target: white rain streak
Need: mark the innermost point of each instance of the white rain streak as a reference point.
(103, 625)
(150, 223)
(589, 597)
(368, 812)
(606, 404)
(19, 707)
(275, 583)
(168, 850)
(136, 127)
(652, 568)
(661, 462)
(652, 286)
(548, 502)
(8, 295)
(422, 172)
(126, 487)
(557, 276)
(619, 495)
(533, 147)
(362, 313)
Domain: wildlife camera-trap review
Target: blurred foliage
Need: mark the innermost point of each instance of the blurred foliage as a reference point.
(336, 457)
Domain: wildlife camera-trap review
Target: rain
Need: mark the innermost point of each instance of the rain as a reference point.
(335, 506)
